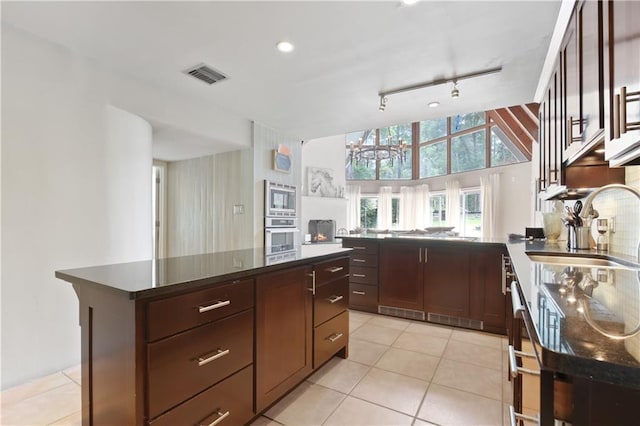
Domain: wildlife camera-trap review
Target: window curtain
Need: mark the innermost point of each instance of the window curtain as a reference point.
(453, 204)
(489, 190)
(422, 209)
(384, 207)
(407, 208)
(353, 206)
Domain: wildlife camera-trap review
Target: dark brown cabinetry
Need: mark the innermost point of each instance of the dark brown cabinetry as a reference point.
(284, 332)
(573, 110)
(401, 281)
(363, 277)
(452, 283)
(446, 281)
(330, 316)
(487, 301)
(622, 81)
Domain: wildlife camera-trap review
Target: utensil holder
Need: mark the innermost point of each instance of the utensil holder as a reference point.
(583, 240)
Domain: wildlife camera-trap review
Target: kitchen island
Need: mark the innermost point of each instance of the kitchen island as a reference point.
(581, 315)
(448, 280)
(206, 338)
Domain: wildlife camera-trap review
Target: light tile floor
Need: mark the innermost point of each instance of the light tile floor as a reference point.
(399, 372)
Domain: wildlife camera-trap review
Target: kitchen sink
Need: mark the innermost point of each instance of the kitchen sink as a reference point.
(579, 260)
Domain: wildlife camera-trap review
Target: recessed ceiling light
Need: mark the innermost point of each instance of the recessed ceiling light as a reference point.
(284, 46)
(409, 2)
(434, 104)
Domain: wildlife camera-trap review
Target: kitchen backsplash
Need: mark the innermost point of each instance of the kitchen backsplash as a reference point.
(624, 208)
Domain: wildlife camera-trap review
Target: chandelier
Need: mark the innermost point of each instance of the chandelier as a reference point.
(364, 153)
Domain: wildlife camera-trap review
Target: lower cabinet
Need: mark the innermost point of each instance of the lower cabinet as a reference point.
(284, 332)
(446, 281)
(401, 284)
(330, 338)
(487, 300)
(228, 403)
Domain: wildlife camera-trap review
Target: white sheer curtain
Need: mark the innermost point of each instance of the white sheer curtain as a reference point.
(453, 204)
(407, 208)
(489, 190)
(384, 207)
(353, 206)
(422, 211)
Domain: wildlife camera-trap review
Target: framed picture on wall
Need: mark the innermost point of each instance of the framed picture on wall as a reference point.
(282, 159)
(321, 182)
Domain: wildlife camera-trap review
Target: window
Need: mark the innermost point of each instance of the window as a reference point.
(454, 144)
(437, 203)
(502, 149)
(471, 213)
(468, 152)
(369, 212)
(381, 163)
(467, 121)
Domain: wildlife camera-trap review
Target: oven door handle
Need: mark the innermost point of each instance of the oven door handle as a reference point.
(516, 302)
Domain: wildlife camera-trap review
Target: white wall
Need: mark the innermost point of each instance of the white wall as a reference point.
(326, 153)
(76, 191)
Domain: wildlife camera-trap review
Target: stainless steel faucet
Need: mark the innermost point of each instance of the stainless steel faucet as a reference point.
(589, 200)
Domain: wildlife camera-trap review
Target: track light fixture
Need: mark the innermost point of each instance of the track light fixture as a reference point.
(383, 103)
(455, 93)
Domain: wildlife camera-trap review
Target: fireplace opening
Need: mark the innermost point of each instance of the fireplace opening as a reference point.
(322, 231)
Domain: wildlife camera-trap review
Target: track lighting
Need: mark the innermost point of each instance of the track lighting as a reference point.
(455, 93)
(383, 103)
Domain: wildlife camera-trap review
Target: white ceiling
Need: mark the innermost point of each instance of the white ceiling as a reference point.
(346, 52)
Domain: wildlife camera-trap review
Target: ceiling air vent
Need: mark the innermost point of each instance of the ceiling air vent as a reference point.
(205, 73)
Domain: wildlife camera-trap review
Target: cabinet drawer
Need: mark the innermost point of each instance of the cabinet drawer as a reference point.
(331, 270)
(189, 362)
(361, 259)
(173, 315)
(361, 246)
(329, 338)
(363, 295)
(363, 275)
(330, 300)
(233, 395)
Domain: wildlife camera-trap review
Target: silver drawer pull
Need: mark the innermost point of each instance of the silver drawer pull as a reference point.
(334, 337)
(358, 275)
(359, 293)
(206, 360)
(216, 305)
(513, 365)
(334, 269)
(513, 416)
(334, 299)
(359, 260)
(221, 417)
(516, 303)
(359, 248)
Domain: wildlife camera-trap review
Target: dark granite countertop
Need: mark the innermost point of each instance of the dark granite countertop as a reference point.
(562, 337)
(404, 236)
(151, 278)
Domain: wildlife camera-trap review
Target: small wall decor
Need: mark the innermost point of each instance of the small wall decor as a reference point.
(282, 159)
(321, 183)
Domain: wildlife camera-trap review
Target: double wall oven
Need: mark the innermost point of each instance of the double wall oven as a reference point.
(281, 232)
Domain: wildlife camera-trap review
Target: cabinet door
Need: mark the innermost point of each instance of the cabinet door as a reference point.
(446, 281)
(401, 276)
(623, 72)
(284, 330)
(591, 69)
(488, 303)
(572, 88)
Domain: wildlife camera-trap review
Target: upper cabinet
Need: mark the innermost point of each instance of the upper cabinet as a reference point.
(573, 111)
(622, 81)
